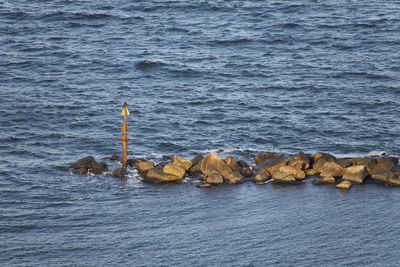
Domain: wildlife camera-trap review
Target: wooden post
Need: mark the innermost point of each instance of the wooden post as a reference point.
(124, 138)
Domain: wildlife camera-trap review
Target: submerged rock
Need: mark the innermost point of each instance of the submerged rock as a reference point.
(120, 173)
(98, 168)
(324, 180)
(114, 157)
(356, 174)
(86, 162)
(346, 185)
(300, 161)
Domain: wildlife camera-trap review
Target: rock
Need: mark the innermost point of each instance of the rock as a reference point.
(346, 185)
(245, 170)
(324, 180)
(120, 172)
(260, 158)
(203, 185)
(393, 182)
(196, 163)
(214, 178)
(114, 157)
(321, 155)
(181, 162)
(212, 163)
(262, 177)
(133, 162)
(382, 171)
(396, 171)
(345, 162)
(355, 174)
(300, 161)
(311, 172)
(232, 163)
(394, 160)
(271, 164)
(86, 162)
(320, 158)
(174, 170)
(157, 175)
(369, 163)
(98, 168)
(286, 173)
(144, 166)
(83, 171)
(331, 169)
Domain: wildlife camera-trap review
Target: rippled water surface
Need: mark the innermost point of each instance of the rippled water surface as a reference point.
(238, 77)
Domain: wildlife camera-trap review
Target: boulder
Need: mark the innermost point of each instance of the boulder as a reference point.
(120, 172)
(369, 163)
(324, 180)
(232, 163)
(98, 168)
(214, 178)
(300, 161)
(331, 169)
(396, 171)
(157, 175)
(196, 163)
(271, 164)
(212, 163)
(83, 171)
(144, 166)
(260, 158)
(173, 170)
(346, 185)
(318, 164)
(114, 157)
(311, 172)
(393, 182)
(181, 162)
(286, 173)
(355, 174)
(133, 162)
(325, 156)
(382, 171)
(86, 162)
(245, 169)
(261, 177)
(344, 162)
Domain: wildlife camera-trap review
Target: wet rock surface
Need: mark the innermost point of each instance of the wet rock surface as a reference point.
(211, 170)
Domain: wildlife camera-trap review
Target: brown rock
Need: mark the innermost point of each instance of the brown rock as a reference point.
(321, 155)
(311, 172)
(181, 162)
(86, 162)
(393, 182)
(120, 172)
(286, 172)
(214, 178)
(382, 170)
(144, 166)
(203, 185)
(173, 170)
(157, 175)
(271, 164)
(196, 164)
(247, 172)
(331, 169)
(369, 163)
(262, 177)
(260, 158)
(232, 163)
(300, 161)
(318, 164)
(324, 180)
(213, 163)
(355, 174)
(83, 171)
(114, 157)
(345, 162)
(346, 185)
(98, 168)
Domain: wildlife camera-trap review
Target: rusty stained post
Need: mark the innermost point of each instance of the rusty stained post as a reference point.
(124, 138)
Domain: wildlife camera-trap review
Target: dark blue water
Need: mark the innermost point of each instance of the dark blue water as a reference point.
(237, 77)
